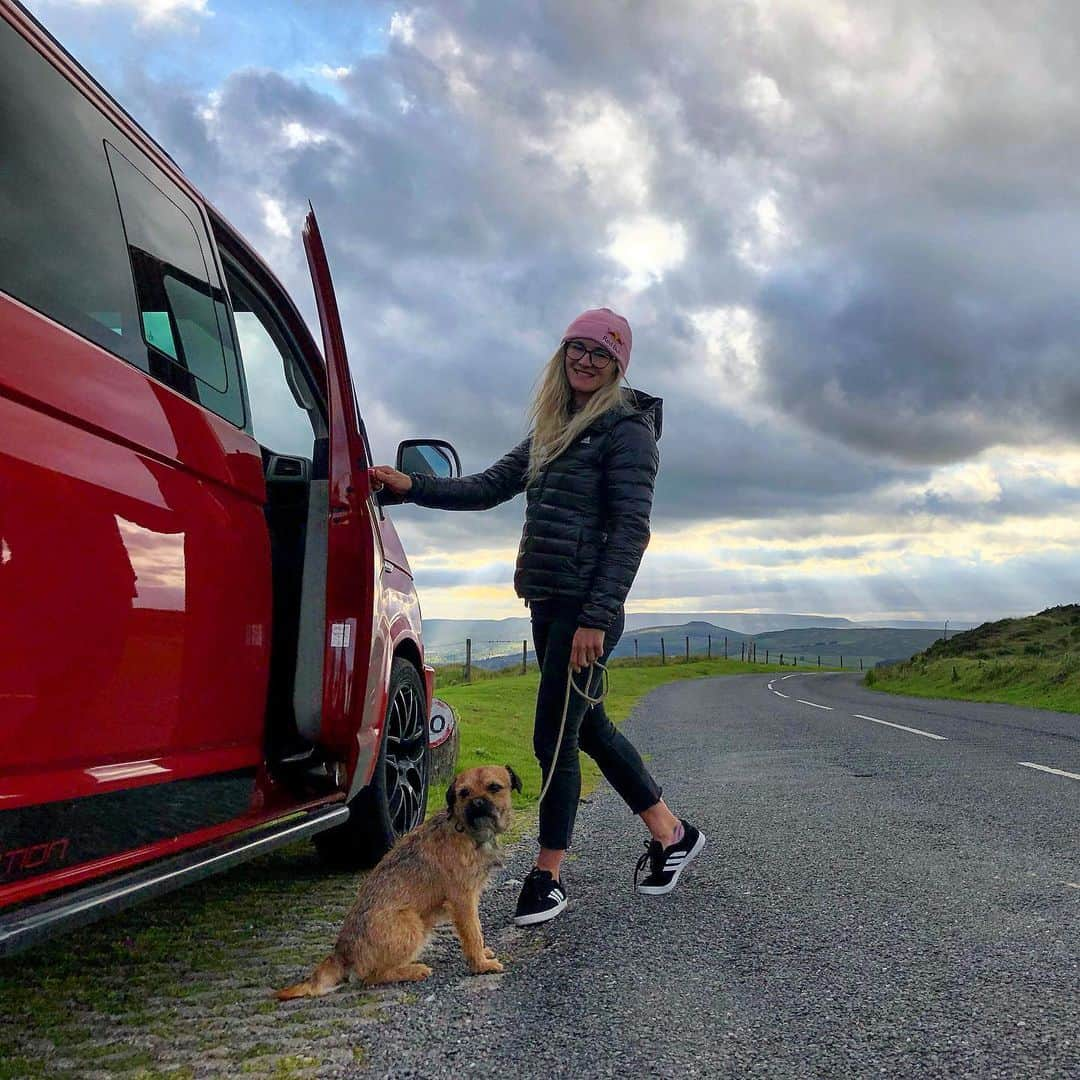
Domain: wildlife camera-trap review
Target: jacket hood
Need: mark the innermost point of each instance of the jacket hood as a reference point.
(643, 407)
(649, 407)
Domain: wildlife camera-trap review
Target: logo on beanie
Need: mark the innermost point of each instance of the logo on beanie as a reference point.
(614, 337)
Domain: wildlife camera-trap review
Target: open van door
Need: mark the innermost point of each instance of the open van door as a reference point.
(353, 558)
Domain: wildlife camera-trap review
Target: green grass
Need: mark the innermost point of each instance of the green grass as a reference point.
(1034, 661)
(1037, 683)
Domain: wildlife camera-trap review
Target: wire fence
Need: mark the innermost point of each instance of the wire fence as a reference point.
(495, 654)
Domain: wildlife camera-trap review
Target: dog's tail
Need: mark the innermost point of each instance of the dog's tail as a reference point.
(330, 973)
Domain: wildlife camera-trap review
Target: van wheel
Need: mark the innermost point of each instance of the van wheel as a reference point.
(396, 799)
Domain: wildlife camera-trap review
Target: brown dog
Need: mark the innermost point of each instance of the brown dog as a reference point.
(433, 874)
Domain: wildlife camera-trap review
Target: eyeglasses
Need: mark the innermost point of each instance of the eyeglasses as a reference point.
(598, 357)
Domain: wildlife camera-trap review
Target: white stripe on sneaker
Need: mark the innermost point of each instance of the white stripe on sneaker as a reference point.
(679, 867)
(541, 916)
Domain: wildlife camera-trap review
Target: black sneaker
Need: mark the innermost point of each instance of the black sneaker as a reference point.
(542, 898)
(667, 863)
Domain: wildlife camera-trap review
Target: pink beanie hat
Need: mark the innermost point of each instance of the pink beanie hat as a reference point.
(611, 330)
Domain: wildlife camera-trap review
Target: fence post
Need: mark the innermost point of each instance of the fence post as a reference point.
(725, 646)
(708, 648)
(767, 657)
(524, 655)
(635, 651)
(688, 648)
(841, 663)
(860, 663)
(468, 659)
(796, 661)
(742, 651)
(819, 661)
(663, 655)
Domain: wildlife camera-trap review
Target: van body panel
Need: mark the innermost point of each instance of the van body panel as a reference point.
(137, 575)
(136, 589)
(59, 372)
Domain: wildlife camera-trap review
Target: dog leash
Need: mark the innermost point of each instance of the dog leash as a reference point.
(566, 708)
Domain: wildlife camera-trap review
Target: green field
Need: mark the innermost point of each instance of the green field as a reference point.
(1033, 661)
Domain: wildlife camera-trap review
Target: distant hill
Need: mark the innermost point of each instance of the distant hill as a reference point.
(439, 633)
(1052, 633)
(740, 622)
(830, 643)
(446, 637)
(873, 645)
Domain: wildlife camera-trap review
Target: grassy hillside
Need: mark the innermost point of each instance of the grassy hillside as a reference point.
(1054, 632)
(1032, 661)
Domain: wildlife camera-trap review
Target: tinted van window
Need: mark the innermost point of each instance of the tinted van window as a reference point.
(181, 302)
(61, 243)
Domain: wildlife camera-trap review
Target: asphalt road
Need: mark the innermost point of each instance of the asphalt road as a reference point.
(872, 901)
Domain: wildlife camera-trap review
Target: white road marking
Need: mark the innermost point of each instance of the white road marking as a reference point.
(1046, 768)
(1071, 884)
(815, 704)
(913, 730)
(791, 676)
(778, 694)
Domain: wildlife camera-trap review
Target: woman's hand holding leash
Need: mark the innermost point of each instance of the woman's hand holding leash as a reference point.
(587, 647)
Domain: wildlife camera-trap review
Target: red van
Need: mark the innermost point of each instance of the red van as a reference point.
(210, 642)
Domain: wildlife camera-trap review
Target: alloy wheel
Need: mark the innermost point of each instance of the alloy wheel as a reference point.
(406, 760)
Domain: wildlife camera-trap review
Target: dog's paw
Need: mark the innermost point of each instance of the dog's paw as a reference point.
(490, 966)
(489, 952)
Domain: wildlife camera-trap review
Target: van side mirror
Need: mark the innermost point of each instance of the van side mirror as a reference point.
(430, 457)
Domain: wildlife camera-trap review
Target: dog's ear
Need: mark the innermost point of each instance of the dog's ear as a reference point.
(515, 780)
(450, 792)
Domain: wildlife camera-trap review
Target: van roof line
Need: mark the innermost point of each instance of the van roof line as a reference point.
(44, 30)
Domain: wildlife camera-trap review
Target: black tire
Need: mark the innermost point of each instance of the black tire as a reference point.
(396, 799)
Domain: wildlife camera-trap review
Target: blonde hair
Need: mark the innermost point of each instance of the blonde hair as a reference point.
(554, 426)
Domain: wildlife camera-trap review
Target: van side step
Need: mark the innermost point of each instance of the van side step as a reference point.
(32, 923)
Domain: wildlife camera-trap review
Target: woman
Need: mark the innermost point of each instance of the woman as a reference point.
(587, 470)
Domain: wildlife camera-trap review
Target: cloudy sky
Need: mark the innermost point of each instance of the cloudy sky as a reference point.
(846, 236)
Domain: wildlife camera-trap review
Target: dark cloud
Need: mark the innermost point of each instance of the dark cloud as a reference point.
(887, 191)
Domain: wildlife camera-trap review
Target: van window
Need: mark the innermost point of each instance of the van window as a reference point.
(181, 303)
(284, 410)
(61, 243)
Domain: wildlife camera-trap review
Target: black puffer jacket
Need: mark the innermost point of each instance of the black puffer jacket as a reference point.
(586, 515)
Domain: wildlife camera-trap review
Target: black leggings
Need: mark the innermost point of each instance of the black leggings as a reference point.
(554, 623)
